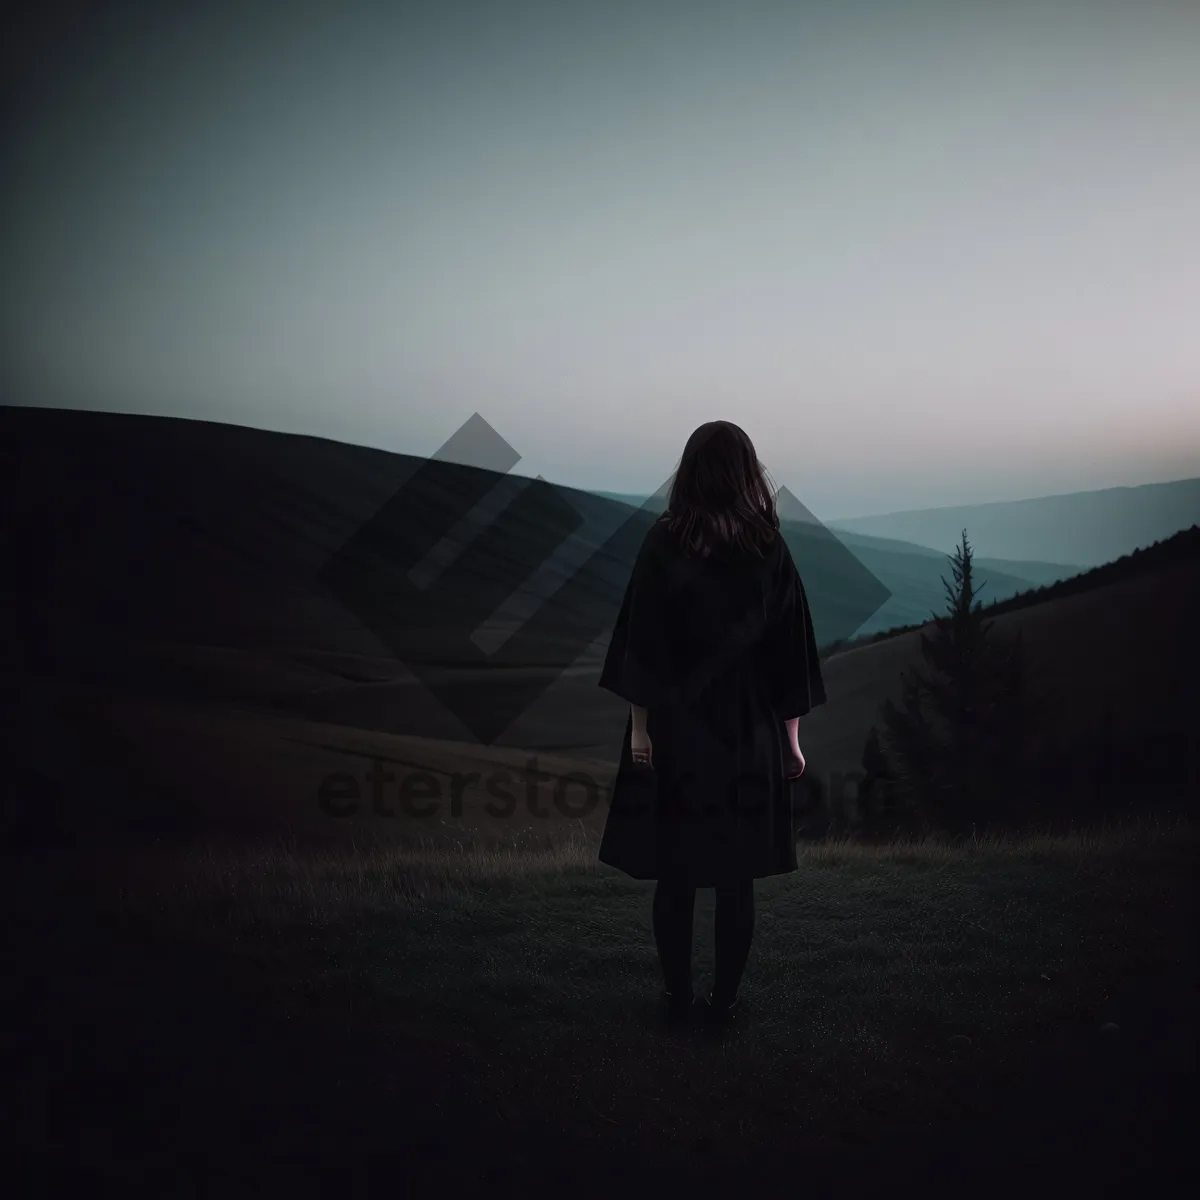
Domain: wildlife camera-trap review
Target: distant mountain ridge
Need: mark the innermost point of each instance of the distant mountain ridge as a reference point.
(1088, 528)
(1034, 537)
(1181, 548)
(912, 574)
(1037, 572)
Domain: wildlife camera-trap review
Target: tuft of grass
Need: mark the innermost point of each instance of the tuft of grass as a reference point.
(1111, 836)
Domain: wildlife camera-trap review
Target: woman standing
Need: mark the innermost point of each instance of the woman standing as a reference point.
(715, 652)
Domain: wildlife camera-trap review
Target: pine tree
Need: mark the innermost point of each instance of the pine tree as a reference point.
(953, 742)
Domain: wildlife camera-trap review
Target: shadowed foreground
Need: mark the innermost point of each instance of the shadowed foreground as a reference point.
(198, 1021)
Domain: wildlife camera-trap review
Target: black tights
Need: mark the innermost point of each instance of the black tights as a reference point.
(733, 930)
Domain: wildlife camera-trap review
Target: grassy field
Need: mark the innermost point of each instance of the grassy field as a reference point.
(894, 994)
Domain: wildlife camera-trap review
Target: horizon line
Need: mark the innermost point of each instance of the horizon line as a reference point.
(595, 491)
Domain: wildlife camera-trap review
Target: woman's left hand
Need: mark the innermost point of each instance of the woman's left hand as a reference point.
(639, 744)
(796, 763)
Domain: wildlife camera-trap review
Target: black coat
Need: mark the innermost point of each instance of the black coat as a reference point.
(720, 651)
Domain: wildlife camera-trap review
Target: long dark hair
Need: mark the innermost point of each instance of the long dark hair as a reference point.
(722, 501)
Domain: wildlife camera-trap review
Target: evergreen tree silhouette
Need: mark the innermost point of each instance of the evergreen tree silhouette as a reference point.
(954, 744)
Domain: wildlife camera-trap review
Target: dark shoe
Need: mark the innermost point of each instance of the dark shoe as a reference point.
(681, 1008)
(720, 1016)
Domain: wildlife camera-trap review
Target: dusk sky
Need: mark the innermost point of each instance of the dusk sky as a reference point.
(924, 253)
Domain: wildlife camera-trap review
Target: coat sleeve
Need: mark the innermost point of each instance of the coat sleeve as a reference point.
(633, 666)
(793, 667)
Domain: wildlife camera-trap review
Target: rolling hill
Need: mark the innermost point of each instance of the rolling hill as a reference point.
(174, 662)
(1120, 637)
(1110, 674)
